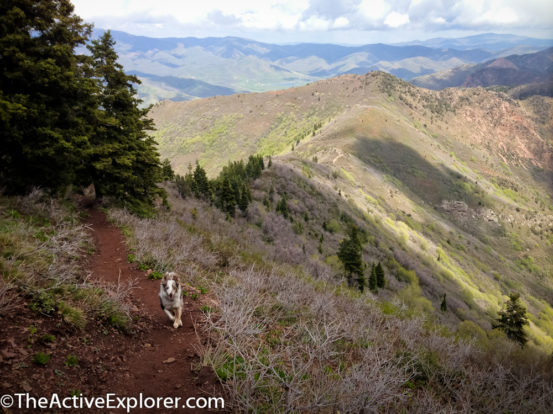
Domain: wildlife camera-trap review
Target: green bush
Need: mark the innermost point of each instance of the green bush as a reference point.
(156, 275)
(71, 361)
(41, 358)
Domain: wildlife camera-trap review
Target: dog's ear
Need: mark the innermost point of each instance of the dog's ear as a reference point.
(164, 279)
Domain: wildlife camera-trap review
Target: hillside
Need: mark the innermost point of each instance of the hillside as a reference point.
(472, 216)
(513, 70)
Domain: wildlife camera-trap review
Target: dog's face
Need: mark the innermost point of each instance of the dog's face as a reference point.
(170, 284)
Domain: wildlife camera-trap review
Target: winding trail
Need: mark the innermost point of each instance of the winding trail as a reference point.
(160, 361)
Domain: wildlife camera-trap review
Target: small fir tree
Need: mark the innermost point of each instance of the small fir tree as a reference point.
(201, 183)
(373, 283)
(512, 319)
(167, 171)
(282, 207)
(349, 254)
(443, 305)
(380, 281)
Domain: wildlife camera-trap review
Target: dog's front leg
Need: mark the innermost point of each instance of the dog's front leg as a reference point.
(170, 314)
(178, 320)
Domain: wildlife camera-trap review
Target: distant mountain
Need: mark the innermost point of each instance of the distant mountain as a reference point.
(169, 67)
(488, 41)
(229, 64)
(515, 70)
(175, 88)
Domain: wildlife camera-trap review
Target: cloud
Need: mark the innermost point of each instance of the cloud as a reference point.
(395, 19)
(217, 17)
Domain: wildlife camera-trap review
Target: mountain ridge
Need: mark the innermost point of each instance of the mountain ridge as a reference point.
(247, 65)
(513, 70)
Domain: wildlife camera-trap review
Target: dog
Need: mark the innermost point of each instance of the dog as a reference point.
(170, 297)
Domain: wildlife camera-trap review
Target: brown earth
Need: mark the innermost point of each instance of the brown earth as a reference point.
(154, 359)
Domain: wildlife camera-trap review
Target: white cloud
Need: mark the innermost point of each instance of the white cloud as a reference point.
(307, 17)
(340, 23)
(395, 19)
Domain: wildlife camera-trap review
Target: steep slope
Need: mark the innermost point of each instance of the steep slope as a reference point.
(457, 183)
(514, 70)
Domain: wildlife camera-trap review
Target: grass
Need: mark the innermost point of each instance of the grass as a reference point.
(43, 242)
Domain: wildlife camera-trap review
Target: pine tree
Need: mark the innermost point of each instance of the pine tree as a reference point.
(349, 254)
(46, 96)
(443, 305)
(373, 283)
(361, 282)
(227, 197)
(512, 319)
(201, 183)
(124, 162)
(380, 281)
(167, 171)
(245, 198)
(282, 206)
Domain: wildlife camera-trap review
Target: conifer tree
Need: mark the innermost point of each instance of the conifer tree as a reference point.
(380, 281)
(46, 96)
(167, 171)
(349, 254)
(512, 319)
(245, 198)
(124, 162)
(282, 206)
(443, 305)
(227, 196)
(373, 283)
(201, 183)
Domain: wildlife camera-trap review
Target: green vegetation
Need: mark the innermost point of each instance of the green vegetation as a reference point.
(41, 358)
(229, 190)
(349, 254)
(71, 361)
(70, 118)
(512, 320)
(49, 273)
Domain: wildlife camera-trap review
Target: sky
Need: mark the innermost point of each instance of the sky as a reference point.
(321, 21)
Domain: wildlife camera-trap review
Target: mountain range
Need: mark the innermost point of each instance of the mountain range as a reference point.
(513, 70)
(187, 68)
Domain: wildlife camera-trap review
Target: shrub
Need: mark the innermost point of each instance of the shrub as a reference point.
(155, 275)
(71, 360)
(41, 358)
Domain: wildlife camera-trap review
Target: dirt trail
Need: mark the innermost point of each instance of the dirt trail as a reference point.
(161, 361)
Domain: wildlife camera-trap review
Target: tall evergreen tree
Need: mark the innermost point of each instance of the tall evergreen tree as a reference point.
(201, 183)
(245, 198)
(512, 319)
(380, 280)
(46, 95)
(373, 280)
(282, 206)
(124, 162)
(167, 171)
(227, 196)
(349, 254)
(443, 305)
